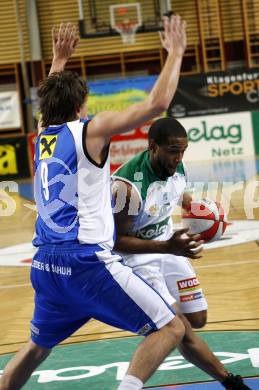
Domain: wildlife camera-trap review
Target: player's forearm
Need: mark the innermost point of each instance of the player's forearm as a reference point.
(165, 87)
(58, 65)
(107, 124)
(137, 245)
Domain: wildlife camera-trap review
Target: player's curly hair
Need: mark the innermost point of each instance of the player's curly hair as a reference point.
(163, 128)
(62, 95)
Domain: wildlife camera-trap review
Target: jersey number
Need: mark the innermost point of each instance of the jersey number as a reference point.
(44, 180)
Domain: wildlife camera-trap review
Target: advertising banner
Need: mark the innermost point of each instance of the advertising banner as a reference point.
(216, 93)
(225, 136)
(124, 147)
(31, 145)
(219, 137)
(115, 95)
(9, 110)
(255, 119)
(13, 158)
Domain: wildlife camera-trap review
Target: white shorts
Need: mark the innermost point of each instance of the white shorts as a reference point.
(173, 277)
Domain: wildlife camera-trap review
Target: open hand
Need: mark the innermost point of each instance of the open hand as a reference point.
(64, 41)
(173, 38)
(188, 247)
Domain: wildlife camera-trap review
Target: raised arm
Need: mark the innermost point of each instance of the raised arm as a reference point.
(177, 245)
(108, 123)
(64, 43)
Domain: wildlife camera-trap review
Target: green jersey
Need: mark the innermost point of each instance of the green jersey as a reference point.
(157, 198)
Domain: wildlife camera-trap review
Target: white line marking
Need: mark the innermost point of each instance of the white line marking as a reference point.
(254, 356)
(15, 285)
(226, 264)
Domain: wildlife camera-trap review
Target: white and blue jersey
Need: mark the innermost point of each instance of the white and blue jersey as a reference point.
(72, 192)
(74, 273)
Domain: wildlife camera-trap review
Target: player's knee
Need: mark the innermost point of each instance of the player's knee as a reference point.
(176, 330)
(37, 352)
(197, 320)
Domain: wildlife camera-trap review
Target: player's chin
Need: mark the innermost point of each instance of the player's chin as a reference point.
(170, 171)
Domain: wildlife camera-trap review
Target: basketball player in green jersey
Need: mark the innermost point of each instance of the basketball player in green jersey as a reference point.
(154, 182)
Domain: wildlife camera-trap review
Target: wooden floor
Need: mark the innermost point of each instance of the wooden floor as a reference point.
(229, 277)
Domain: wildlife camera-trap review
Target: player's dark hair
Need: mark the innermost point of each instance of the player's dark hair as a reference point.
(164, 128)
(62, 94)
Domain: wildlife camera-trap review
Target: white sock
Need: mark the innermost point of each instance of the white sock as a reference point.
(130, 382)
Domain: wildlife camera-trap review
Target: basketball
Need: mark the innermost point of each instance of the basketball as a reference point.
(207, 218)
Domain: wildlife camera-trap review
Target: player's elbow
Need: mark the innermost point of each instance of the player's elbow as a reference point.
(158, 104)
(197, 320)
(118, 245)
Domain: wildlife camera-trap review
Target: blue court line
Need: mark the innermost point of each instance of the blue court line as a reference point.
(252, 382)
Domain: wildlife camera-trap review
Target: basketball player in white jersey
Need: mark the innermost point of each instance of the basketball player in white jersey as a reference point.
(74, 273)
(148, 188)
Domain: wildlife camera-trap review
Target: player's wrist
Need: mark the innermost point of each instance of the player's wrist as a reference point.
(163, 247)
(58, 65)
(59, 60)
(178, 54)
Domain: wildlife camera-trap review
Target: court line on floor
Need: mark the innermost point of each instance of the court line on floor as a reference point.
(15, 285)
(99, 334)
(227, 264)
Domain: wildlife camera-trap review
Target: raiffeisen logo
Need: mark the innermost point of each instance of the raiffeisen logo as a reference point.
(232, 133)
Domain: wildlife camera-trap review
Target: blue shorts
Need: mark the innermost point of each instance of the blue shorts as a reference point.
(75, 283)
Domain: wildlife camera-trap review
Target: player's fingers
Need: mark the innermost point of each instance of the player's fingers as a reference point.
(67, 31)
(161, 36)
(196, 251)
(183, 26)
(54, 35)
(194, 237)
(172, 23)
(183, 31)
(166, 24)
(75, 42)
(72, 39)
(60, 33)
(176, 23)
(194, 257)
(189, 240)
(73, 32)
(195, 244)
(61, 29)
(180, 232)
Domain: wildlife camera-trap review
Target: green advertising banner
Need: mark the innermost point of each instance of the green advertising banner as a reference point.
(227, 136)
(255, 120)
